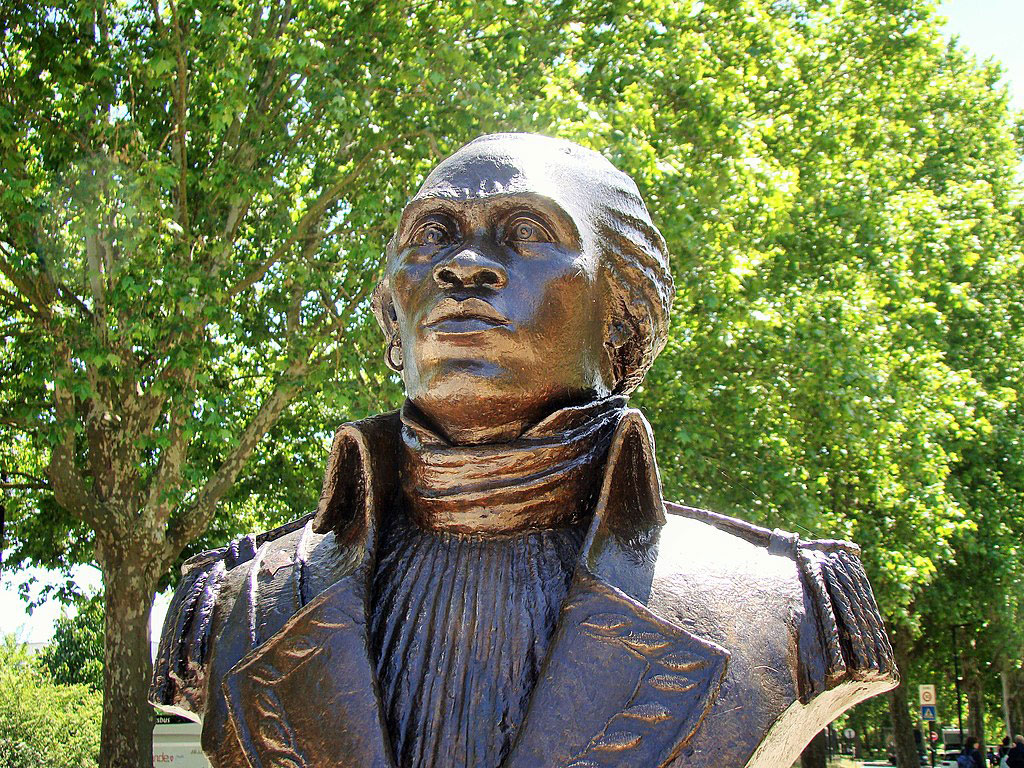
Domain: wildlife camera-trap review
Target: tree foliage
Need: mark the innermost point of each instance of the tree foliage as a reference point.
(74, 655)
(196, 194)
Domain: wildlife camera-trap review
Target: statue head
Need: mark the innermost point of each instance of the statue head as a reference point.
(524, 276)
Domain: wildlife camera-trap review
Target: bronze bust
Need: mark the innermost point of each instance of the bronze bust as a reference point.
(492, 577)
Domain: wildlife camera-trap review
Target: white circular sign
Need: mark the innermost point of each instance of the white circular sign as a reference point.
(849, 733)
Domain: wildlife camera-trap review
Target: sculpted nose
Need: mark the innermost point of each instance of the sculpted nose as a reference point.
(470, 269)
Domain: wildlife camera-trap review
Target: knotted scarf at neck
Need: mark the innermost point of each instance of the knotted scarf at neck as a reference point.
(546, 478)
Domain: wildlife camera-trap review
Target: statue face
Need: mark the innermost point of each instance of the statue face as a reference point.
(497, 302)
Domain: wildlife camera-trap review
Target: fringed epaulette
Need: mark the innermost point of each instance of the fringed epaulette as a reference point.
(179, 670)
(851, 628)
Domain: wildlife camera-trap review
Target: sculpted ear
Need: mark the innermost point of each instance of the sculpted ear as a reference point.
(383, 305)
(619, 334)
(619, 342)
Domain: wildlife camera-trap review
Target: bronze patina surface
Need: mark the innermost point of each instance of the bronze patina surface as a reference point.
(492, 577)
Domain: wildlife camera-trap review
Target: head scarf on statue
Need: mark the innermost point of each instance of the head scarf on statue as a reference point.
(524, 276)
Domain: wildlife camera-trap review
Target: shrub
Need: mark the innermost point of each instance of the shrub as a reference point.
(44, 724)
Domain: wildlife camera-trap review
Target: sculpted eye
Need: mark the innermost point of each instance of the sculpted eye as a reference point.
(432, 233)
(524, 228)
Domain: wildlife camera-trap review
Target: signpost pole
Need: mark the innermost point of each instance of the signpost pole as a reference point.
(929, 713)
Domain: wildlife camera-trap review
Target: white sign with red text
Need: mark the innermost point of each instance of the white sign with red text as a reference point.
(176, 745)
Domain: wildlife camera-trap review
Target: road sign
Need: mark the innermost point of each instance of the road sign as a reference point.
(849, 733)
(928, 713)
(926, 695)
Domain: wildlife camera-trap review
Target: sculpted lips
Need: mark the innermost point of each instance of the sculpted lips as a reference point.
(463, 316)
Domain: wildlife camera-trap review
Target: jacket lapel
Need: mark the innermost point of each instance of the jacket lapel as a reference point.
(621, 686)
(308, 697)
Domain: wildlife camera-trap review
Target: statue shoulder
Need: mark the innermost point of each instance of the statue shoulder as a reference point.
(210, 581)
(754, 569)
(719, 542)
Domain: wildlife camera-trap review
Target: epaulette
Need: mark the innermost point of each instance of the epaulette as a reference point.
(850, 627)
(179, 667)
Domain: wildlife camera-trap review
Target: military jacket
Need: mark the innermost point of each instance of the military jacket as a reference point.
(687, 638)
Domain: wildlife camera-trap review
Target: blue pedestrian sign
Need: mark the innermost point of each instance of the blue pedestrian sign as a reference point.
(927, 712)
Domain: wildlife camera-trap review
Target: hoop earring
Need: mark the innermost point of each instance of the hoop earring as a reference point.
(393, 355)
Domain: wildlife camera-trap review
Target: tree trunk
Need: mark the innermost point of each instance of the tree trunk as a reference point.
(126, 735)
(902, 729)
(815, 754)
(1004, 682)
(899, 709)
(856, 721)
(1016, 701)
(975, 703)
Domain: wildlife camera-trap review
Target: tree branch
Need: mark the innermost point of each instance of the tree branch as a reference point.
(69, 487)
(194, 520)
(71, 296)
(23, 424)
(157, 21)
(19, 304)
(31, 478)
(159, 503)
(94, 265)
(26, 289)
(181, 111)
(314, 213)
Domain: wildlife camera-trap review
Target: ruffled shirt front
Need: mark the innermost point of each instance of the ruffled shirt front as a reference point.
(470, 577)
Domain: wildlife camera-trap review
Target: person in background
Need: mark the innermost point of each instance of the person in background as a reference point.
(1015, 757)
(971, 756)
(1004, 750)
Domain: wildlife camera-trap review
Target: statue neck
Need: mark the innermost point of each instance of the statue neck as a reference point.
(546, 478)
